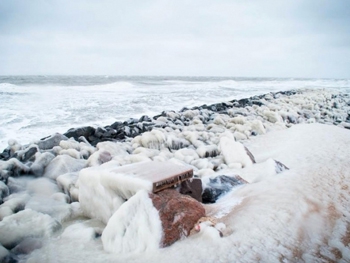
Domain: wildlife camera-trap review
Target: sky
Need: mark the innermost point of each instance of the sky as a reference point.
(240, 38)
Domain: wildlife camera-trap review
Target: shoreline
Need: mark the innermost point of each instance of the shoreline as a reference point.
(119, 131)
(43, 178)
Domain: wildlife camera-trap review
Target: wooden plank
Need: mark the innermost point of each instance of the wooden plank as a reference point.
(162, 174)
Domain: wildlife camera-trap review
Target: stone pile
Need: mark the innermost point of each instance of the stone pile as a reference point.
(208, 138)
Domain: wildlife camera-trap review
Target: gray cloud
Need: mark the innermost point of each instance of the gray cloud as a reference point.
(234, 38)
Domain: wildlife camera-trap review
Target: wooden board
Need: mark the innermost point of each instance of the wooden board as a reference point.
(162, 174)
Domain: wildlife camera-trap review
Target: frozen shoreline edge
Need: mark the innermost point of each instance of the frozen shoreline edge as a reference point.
(216, 122)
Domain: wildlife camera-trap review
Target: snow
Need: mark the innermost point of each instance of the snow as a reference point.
(300, 214)
(296, 215)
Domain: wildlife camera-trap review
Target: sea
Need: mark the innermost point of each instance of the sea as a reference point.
(33, 107)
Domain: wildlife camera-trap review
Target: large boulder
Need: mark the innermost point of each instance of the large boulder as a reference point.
(178, 214)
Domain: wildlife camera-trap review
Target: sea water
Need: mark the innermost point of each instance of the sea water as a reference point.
(33, 107)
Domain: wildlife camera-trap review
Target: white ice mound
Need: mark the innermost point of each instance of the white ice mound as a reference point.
(234, 152)
(134, 227)
(63, 164)
(26, 223)
(102, 191)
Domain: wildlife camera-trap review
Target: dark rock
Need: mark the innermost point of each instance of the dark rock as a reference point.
(117, 125)
(257, 102)
(51, 141)
(10, 258)
(220, 185)
(244, 102)
(99, 132)
(192, 187)
(292, 119)
(145, 118)
(178, 214)
(4, 191)
(77, 132)
(130, 121)
(251, 156)
(253, 133)
(5, 155)
(29, 153)
(280, 167)
(163, 114)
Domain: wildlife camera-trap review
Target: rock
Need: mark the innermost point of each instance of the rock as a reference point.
(29, 153)
(3, 254)
(27, 245)
(51, 141)
(63, 164)
(4, 191)
(6, 154)
(192, 187)
(145, 118)
(251, 156)
(178, 214)
(235, 152)
(40, 163)
(24, 224)
(280, 167)
(77, 132)
(134, 228)
(220, 185)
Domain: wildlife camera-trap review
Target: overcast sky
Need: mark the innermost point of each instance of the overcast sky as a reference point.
(242, 38)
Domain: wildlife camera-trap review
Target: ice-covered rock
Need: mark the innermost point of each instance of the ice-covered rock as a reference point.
(83, 231)
(58, 210)
(40, 163)
(3, 253)
(13, 203)
(63, 164)
(207, 151)
(234, 152)
(67, 183)
(26, 223)
(42, 186)
(96, 200)
(134, 227)
(27, 245)
(51, 141)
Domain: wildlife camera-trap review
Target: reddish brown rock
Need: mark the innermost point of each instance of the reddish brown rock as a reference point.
(178, 214)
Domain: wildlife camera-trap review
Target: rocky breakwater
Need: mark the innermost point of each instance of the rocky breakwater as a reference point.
(42, 179)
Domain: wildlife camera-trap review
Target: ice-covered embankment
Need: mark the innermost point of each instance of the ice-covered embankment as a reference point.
(273, 213)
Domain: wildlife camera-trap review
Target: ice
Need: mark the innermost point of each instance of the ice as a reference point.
(63, 164)
(135, 227)
(26, 223)
(234, 152)
(303, 210)
(96, 200)
(3, 253)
